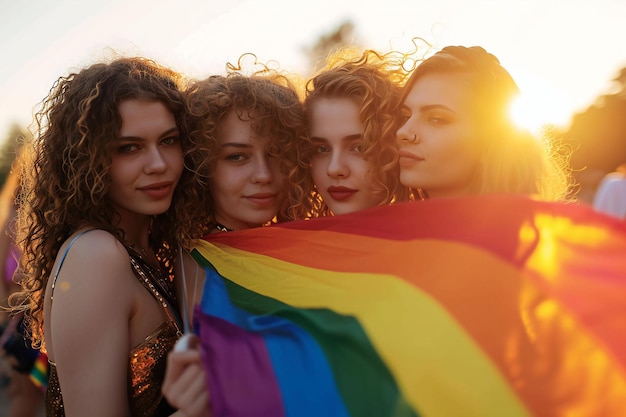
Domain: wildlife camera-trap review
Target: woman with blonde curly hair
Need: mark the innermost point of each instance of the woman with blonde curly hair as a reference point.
(107, 194)
(459, 139)
(352, 112)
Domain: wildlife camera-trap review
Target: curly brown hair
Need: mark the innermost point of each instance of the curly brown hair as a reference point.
(65, 175)
(373, 81)
(268, 98)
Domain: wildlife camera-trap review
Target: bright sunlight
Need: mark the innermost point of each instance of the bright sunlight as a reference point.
(538, 106)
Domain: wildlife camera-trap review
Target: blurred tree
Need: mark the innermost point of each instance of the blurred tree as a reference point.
(342, 36)
(9, 147)
(598, 137)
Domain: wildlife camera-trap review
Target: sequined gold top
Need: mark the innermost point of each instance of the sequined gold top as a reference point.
(146, 368)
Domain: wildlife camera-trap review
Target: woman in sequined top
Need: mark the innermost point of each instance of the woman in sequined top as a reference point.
(107, 194)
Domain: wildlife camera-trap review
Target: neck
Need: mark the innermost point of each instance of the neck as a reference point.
(137, 231)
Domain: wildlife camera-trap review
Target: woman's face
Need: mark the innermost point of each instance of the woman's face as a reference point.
(338, 168)
(445, 157)
(146, 159)
(247, 185)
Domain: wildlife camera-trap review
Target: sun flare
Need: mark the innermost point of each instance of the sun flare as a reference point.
(538, 106)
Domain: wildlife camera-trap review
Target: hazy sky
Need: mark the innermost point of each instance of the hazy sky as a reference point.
(563, 53)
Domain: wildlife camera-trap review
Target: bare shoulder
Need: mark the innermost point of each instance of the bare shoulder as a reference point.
(96, 247)
(95, 262)
(87, 322)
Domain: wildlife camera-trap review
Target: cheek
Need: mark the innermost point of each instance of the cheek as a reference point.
(178, 163)
(461, 157)
(280, 178)
(221, 196)
(224, 179)
(455, 145)
(359, 167)
(318, 169)
(120, 172)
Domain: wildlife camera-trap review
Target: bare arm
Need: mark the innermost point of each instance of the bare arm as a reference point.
(89, 327)
(6, 241)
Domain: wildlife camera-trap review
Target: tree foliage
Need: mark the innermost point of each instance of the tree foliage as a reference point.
(9, 148)
(341, 36)
(597, 136)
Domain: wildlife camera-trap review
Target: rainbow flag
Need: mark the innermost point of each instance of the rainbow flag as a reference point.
(40, 372)
(490, 306)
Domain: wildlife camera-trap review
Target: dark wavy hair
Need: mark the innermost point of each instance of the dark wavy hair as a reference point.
(65, 176)
(515, 161)
(373, 81)
(270, 100)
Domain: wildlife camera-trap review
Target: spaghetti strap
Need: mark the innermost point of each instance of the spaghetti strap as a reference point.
(56, 273)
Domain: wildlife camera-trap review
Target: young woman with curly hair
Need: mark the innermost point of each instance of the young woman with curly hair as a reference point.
(251, 129)
(458, 138)
(352, 113)
(107, 194)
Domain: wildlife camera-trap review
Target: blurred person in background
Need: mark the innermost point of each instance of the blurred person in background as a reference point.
(28, 366)
(610, 197)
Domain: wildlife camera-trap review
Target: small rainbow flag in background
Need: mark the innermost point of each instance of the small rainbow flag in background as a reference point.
(489, 306)
(40, 372)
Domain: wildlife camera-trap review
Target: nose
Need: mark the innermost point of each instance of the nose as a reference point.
(262, 171)
(155, 161)
(336, 166)
(406, 134)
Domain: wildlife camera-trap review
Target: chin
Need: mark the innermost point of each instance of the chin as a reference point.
(345, 210)
(409, 179)
(158, 210)
(260, 221)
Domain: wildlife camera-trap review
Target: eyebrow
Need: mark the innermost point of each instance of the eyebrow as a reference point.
(348, 138)
(235, 145)
(166, 133)
(436, 107)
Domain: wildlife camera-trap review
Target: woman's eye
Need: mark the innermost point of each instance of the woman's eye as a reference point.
(437, 120)
(236, 157)
(357, 147)
(321, 149)
(170, 140)
(129, 147)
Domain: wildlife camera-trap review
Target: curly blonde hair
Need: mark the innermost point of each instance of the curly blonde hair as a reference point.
(270, 100)
(373, 81)
(65, 175)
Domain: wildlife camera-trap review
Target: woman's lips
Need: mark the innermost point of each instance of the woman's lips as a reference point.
(262, 199)
(159, 190)
(340, 193)
(408, 158)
